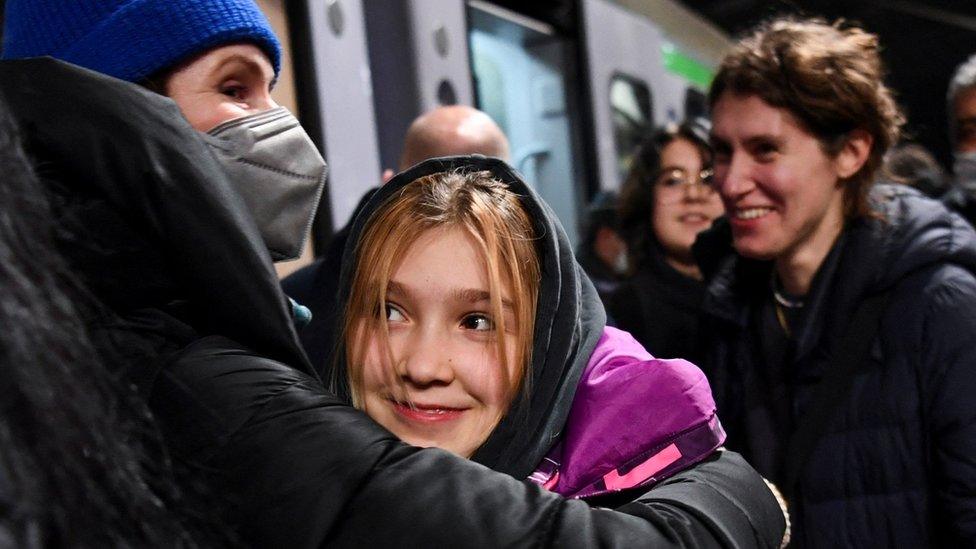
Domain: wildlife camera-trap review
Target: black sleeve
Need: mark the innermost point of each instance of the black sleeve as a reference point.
(303, 470)
(946, 357)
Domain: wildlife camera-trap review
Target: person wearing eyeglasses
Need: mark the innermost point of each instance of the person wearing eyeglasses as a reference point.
(665, 202)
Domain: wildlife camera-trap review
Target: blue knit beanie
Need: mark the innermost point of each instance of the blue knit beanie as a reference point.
(132, 39)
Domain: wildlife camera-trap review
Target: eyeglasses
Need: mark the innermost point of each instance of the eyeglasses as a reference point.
(674, 183)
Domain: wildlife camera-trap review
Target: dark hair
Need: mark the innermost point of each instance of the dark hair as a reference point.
(636, 207)
(830, 77)
(602, 212)
(912, 164)
(82, 463)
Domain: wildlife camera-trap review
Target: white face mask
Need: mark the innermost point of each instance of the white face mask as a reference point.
(276, 168)
(964, 170)
(621, 264)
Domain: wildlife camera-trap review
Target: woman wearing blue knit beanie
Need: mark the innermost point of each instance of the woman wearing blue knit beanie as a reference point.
(218, 61)
(158, 41)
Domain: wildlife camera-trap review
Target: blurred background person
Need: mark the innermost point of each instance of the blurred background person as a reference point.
(841, 328)
(603, 253)
(961, 101)
(666, 201)
(913, 165)
(452, 130)
(443, 131)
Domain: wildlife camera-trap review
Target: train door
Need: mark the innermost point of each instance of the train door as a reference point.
(335, 101)
(625, 75)
(419, 59)
(522, 71)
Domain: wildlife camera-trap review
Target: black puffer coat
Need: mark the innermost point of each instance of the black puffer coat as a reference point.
(896, 466)
(158, 234)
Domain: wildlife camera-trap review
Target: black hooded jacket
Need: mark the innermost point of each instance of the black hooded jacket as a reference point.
(160, 237)
(661, 307)
(894, 466)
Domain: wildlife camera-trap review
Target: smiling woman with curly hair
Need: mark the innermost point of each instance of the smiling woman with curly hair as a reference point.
(843, 323)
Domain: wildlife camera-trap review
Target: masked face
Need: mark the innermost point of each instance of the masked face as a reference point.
(622, 263)
(226, 92)
(964, 171)
(964, 112)
(277, 170)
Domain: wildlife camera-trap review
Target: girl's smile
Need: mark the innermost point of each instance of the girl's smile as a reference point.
(426, 413)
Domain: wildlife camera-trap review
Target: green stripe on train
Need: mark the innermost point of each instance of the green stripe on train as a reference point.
(686, 67)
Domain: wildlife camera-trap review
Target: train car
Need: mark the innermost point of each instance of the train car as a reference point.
(574, 84)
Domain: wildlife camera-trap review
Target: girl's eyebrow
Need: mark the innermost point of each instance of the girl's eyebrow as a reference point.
(394, 287)
(472, 295)
(465, 295)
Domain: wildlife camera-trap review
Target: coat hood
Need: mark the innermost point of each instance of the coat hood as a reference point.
(569, 321)
(919, 232)
(150, 220)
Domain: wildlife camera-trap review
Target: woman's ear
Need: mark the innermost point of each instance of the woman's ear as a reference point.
(854, 153)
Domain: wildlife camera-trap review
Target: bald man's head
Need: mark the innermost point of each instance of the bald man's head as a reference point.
(450, 131)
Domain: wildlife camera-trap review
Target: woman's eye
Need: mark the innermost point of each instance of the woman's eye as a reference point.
(479, 323)
(765, 151)
(673, 178)
(233, 91)
(393, 314)
(707, 176)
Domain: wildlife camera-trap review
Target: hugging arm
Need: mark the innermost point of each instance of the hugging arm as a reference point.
(301, 469)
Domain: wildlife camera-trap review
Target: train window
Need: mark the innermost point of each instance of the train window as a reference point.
(446, 94)
(696, 104)
(521, 70)
(630, 111)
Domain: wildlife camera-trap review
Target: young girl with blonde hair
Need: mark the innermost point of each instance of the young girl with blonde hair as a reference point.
(470, 327)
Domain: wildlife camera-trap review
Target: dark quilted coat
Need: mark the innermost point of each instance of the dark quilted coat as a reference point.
(896, 465)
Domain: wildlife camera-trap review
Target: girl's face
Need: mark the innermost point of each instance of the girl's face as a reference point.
(781, 190)
(452, 388)
(684, 204)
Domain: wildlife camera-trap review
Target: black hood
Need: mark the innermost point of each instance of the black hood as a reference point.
(152, 219)
(568, 323)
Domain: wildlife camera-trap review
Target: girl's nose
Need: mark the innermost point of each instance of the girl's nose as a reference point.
(427, 361)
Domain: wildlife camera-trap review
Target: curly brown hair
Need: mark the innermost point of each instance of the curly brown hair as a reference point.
(830, 77)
